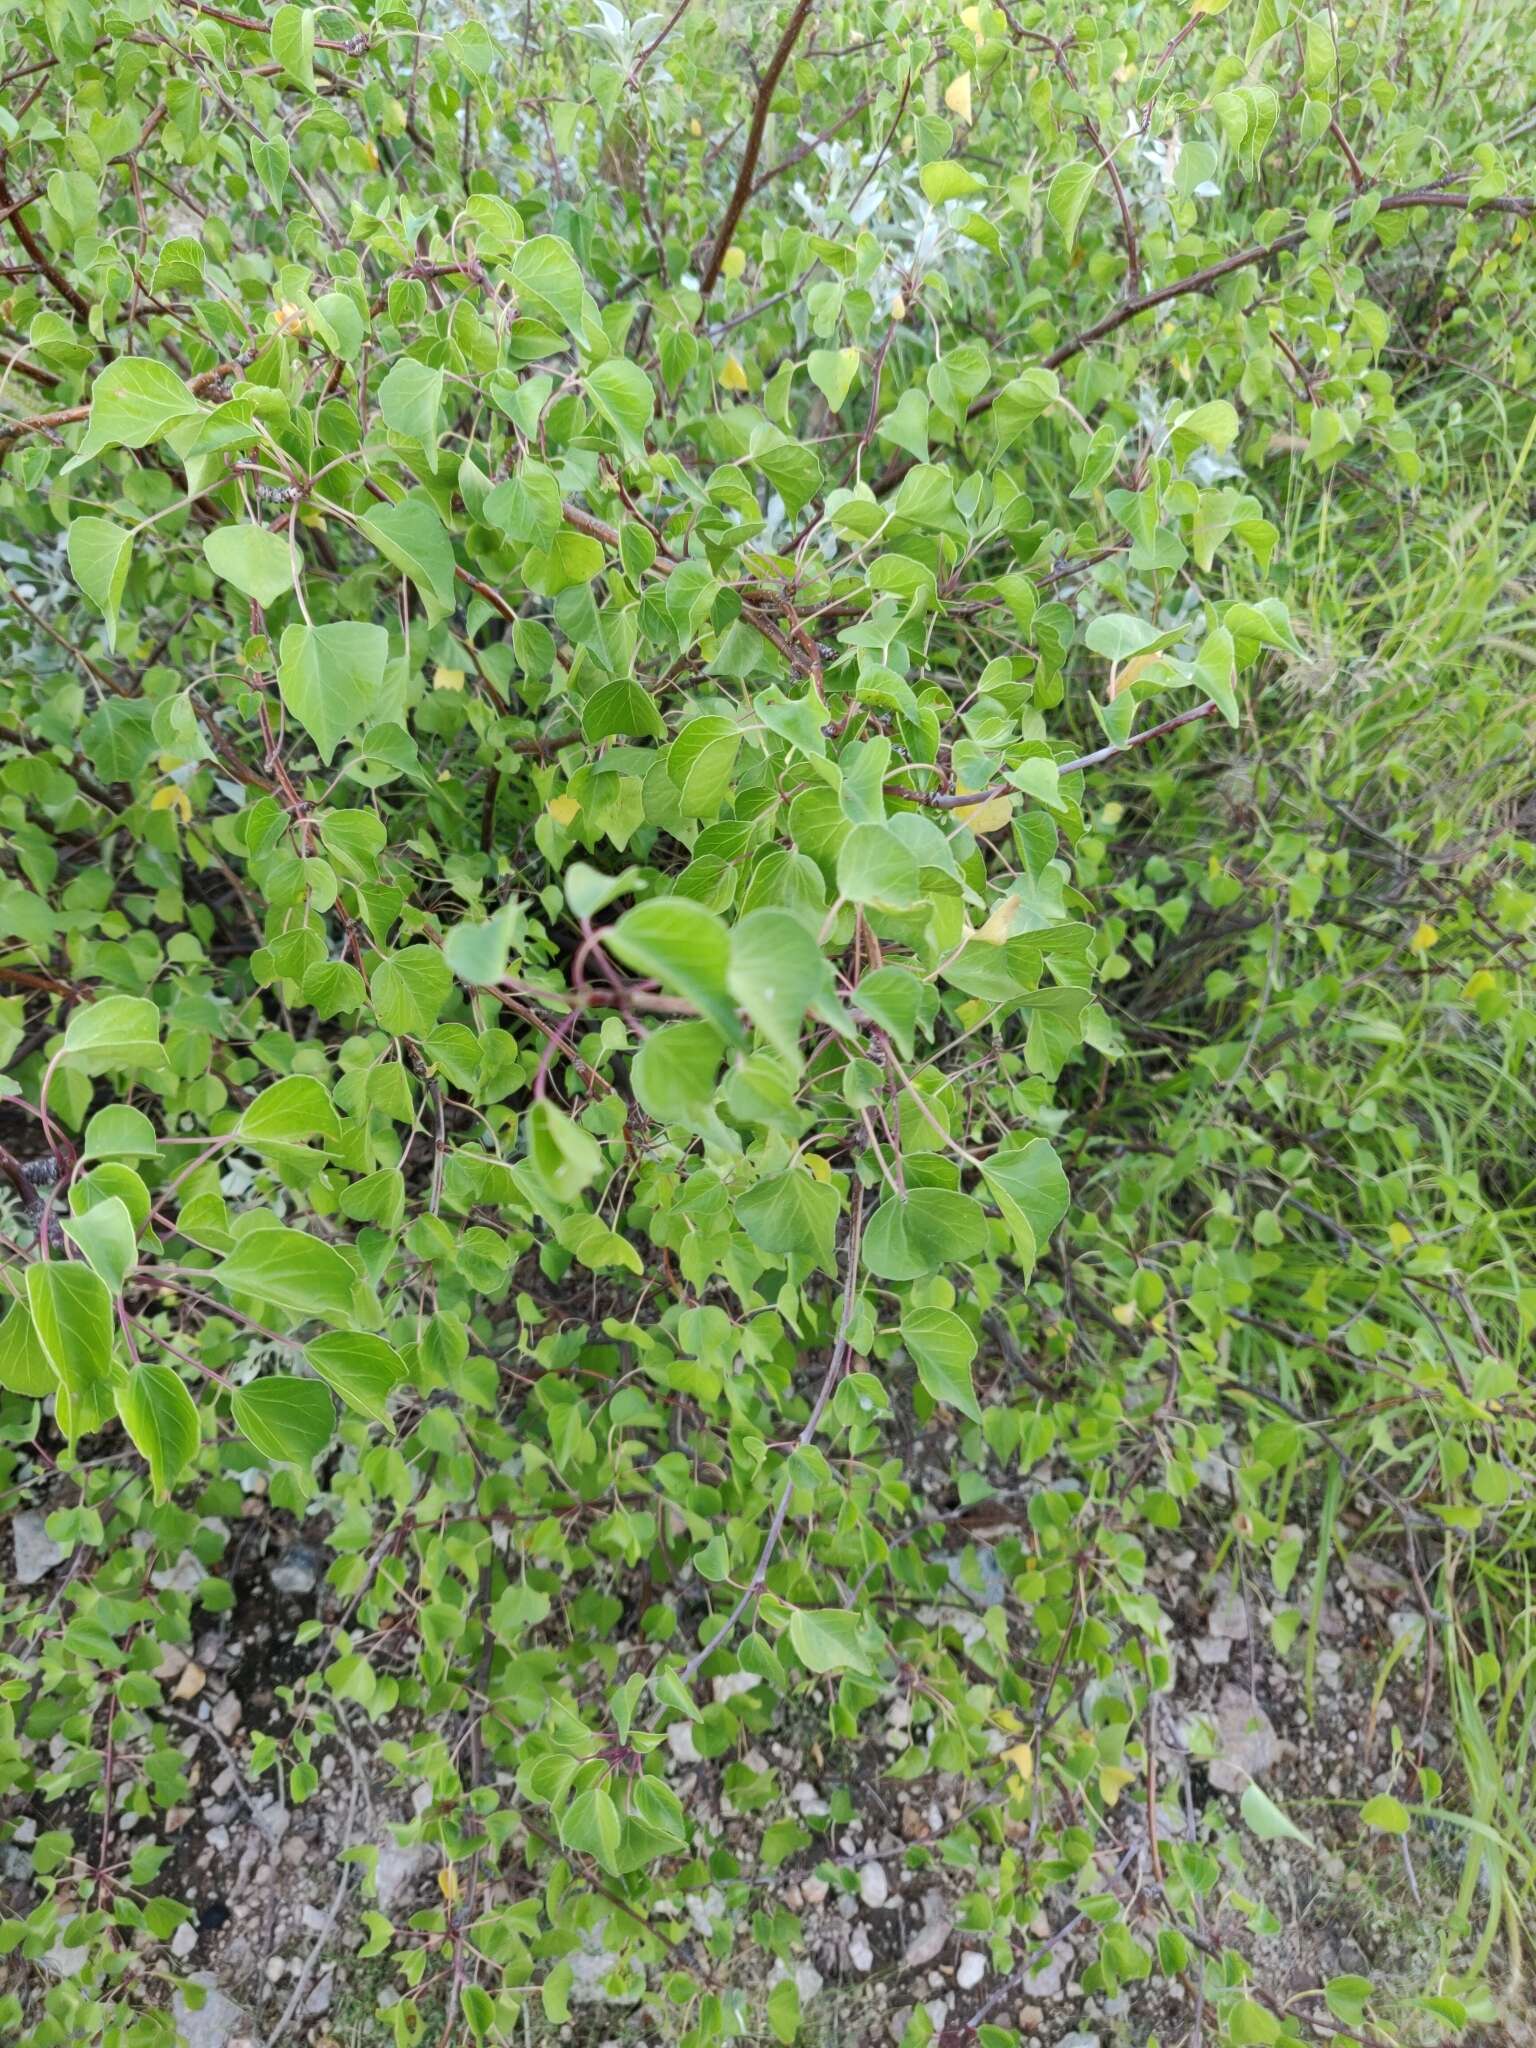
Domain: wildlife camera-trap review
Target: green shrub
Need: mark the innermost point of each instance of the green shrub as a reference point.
(572, 607)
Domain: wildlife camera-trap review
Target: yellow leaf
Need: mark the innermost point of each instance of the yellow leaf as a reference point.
(957, 96)
(1399, 1236)
(817, 1168)
(733, 376)
(733, 262)
(898, 306)
(988, 817)
(1423, 938)
(999, 923)
(1481, 984)
(170, 796)
(1112, 1782)
(448, 679)
(371, 151)
(1132, 672)
(448, 1883)
(564, 809)
(1022, 1757)
(291, 319)
(695, 126)
(1124, 1313)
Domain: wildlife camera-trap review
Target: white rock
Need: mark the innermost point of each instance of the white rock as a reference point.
(972, 1968)
(813, 1890)
(732, 1683)
(1048, 1976)
(873, 1889)
(214, 2024)
(1246, 1740)
(190, 1683)
(860, 1954)
(927, 1944)
(398, 1869)
(808, 1981)
(36, 1552)
(184, 1940)
(184, 1576)
(297, 1571)
(1229, 1615)
(681, 1743)
(1211, 1650)
(62, 1960)
(226, 1715)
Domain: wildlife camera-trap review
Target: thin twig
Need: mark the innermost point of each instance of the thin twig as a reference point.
(754, 146)
(758, 1582)
(963, 800)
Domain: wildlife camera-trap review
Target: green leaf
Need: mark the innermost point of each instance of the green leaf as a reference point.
(1216, 671)
(100, 552)
(477, 954)
(674, 1076)
(1069, 193)
(874, 867)
(293, 44)
(1347, 1999)
(792, 1215)
(832, 371)
(942, 1347)
(288, 1419)
(565, 1157)
(621, 710)
(24, 1366)
(72, 1315)
(590, 1825)
(410, 400)
(133, 402)
(622, 393)
(948, 179)
(106, 1235)
(332, 679)
(409, 989)
(412, 536)
(1266, 1819)
(1204, 426)
(160, 1416)
(923, 1232)
(783, 2010)
(1020, 403)
(545, 273)
(292, 1271)
(117, 1032)
(363, 1369)
(259, 564)
(1030, 1174)
(700, 761)
(290, 1112)
(827, 1639)
(1386, 1813)
(777, 972)
(687, 949)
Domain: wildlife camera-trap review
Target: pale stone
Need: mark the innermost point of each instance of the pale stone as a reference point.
(927, 1944)
(1247, 1745)
(191, 1682)
(214, 2024)
(36, 1552)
